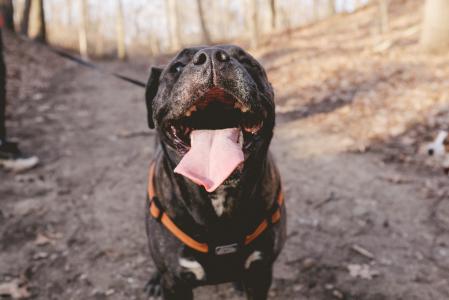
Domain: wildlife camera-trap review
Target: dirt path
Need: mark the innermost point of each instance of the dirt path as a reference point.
(74, 226)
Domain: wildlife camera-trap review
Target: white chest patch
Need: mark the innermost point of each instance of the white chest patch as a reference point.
(218, 201)
(219, 197)
(256, 255)
(193, 266)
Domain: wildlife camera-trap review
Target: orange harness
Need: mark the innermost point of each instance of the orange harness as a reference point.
(157, 212)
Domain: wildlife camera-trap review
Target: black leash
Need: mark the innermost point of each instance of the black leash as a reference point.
(87, 64)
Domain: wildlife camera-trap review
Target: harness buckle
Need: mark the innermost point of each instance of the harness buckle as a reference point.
(226, 249)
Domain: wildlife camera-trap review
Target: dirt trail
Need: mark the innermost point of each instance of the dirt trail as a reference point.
(87, 198)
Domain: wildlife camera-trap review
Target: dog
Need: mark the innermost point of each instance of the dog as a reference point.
(440, 148)
(215, 208)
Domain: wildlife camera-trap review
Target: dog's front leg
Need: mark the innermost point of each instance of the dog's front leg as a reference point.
(175, 289)
(257, 277)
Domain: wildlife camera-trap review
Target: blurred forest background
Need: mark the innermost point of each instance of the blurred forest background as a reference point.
(141, 28)
(118, 28)
(135, 28)
(361, 88)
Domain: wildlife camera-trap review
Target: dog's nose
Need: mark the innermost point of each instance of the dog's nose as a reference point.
(200, 58)
(430, 151)
(206, 55)
(221, 56)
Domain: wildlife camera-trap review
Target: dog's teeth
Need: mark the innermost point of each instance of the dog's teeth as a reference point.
(190, 111)
(238, 105)
(253, 129)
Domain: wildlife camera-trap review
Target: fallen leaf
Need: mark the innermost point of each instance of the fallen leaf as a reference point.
(308, 263)
(14, 289)
(396, 179)
(337, 294)
(362, 271)
(42, 240)
(40, 255)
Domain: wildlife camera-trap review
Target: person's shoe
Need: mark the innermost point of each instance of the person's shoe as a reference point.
(12, 159)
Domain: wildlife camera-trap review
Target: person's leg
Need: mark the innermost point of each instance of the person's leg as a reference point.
(2, 93)
(11, 158)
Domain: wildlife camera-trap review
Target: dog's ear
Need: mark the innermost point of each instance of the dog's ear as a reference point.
(151, 91)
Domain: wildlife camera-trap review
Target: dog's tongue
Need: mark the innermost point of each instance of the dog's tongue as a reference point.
(213, 156)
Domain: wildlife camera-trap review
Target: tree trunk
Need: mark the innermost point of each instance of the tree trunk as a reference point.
(69, 12)
(383, 16)
(253, 23)
(435, 28)
(82, 32)
(273, 14)
(99, 42)
(155, 45)
(172, 16)
(316, 10)
(204, 30)
(99, 47)
(37, 30)
(25, 21)
(7, 10)
(226, 17)
(121, 46)
(330, 7)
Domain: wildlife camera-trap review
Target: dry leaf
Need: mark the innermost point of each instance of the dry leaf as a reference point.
(14, 289)
(42, 240)
(396, 179)
(362, 271)
(40, 255)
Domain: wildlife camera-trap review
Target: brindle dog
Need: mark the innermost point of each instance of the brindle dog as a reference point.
(225, 216)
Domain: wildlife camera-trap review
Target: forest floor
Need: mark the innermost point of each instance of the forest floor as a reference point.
(368, 212)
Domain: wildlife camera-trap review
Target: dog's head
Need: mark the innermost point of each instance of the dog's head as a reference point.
(211, 88)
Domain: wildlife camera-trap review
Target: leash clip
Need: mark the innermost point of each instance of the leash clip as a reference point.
(226, 249)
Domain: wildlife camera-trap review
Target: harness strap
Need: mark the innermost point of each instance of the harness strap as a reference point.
(158, 213)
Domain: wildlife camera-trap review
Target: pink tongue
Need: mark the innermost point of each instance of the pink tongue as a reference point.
(213, 156)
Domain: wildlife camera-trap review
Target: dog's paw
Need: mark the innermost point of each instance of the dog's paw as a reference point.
(153, 286)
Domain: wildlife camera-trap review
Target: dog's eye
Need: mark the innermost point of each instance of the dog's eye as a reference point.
(177, 67)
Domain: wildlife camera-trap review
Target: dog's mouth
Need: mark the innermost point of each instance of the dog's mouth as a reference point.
(215, 110)
(214, 136)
